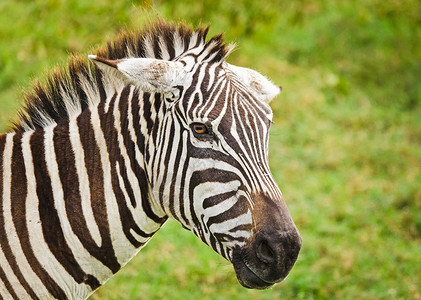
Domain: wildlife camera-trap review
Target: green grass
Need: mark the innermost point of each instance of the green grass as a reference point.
(345, 147)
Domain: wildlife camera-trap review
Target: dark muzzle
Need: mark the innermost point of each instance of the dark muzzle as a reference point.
(267, 259)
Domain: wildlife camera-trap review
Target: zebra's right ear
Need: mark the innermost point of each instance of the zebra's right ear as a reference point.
(149, 74)
(262, 86)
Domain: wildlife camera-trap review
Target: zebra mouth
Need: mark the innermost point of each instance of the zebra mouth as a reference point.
(246, 277)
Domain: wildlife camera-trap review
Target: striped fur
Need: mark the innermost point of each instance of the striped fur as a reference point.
(96, 165)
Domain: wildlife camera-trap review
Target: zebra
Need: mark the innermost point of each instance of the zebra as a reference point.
(155, 125)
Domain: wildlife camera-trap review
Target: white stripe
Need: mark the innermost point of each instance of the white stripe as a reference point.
(142, 220)
(13, 280)
(212, 76)
(193, 39)
(197, 94)
(161, 168)
(241, 159)
(186, 197)
(91, 91)
(180, 164)
(156, 208)
(208, 49)
(36, 238)
(87, 262)
(123, 248)
(206, 190)
(73, 106)
(216, 94)
(178, 44)
(139, 238)
(11, 234)
(30, 276)
(83, 178)
(3, 290)
(148, 46)
(164, 50)
(131, 125)
(151, 147)
(33, 223)
(7, 178)
(230, 224)
(250, 159)
(110, 93)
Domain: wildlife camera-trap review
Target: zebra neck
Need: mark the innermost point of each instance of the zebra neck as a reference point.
(75, 201)
(115, 133)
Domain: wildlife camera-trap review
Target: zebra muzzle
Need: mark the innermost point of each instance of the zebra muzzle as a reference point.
(267, 260)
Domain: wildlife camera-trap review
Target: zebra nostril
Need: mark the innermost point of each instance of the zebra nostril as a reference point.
(264, 252)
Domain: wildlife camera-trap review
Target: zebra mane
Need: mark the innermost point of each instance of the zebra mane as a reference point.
(68, 91)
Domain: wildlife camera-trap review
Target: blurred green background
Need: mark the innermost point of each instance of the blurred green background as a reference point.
(345, 147)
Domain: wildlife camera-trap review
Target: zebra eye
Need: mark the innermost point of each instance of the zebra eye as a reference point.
(199, 128)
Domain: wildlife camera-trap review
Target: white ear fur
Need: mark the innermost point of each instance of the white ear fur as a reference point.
(150, 75)
(263, 87)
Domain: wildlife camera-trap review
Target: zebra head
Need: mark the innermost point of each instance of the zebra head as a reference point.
(207, 159)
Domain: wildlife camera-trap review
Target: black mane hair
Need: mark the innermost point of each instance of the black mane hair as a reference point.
(45, 104)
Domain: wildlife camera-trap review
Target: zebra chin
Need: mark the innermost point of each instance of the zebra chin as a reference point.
(249, 279)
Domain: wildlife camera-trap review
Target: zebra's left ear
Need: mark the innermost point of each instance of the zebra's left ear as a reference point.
(149, 74)
(257, 82)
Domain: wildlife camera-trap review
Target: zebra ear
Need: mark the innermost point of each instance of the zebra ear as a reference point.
(257, 82)
(150, 75)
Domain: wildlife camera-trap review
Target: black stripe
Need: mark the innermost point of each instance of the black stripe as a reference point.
(165, 150)
(189, 93)
(218, 198)
(155, 138)
(6, 282)
(186, 36)
(144, 189)
(246, 140)
(51, 227)
(105, 253)
(240, 114)
(153, 135)
(4, 244)
(126, 218)
(213, 241)
(73, 203)
(7, 248)
(130, 147)
(169, 41)
(100, 84)
(207, 175)
(147, 111)
(219, 91)
(156, 48)
(181, 194)
(123, 105)
(70, 184)
(18, 195)
(177, 168)
(239, 208)
(140, 172)
(140, 138)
